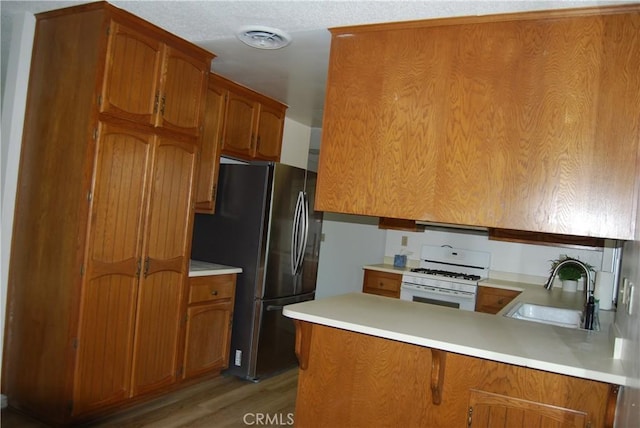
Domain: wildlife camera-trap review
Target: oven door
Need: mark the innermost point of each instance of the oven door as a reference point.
(438, 296)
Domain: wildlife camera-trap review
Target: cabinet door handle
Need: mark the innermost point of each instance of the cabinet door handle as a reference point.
(214, 292)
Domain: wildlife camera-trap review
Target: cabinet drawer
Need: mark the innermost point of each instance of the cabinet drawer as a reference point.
(209, 288)
(382, 283)
(492, 300)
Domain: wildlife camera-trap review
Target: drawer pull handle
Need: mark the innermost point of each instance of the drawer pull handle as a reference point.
(214, 293)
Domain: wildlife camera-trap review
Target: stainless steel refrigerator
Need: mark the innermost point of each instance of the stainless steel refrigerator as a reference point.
(264, 223)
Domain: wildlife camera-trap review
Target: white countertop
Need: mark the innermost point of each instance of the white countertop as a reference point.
(580, 353)
(200, 268)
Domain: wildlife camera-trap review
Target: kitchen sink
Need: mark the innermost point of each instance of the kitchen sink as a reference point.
(546, 314)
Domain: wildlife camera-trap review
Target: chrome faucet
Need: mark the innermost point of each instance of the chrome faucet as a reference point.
(588, 312)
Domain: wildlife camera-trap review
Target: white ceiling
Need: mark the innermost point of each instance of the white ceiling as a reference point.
(296, 74)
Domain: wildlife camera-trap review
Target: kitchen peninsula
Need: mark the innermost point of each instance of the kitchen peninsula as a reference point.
(366, 358)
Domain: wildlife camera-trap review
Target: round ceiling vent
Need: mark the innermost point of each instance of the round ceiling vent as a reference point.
(263, 37)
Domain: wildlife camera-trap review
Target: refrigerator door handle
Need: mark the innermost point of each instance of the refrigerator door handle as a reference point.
(305, 231)
(301, 230)
(295, 231)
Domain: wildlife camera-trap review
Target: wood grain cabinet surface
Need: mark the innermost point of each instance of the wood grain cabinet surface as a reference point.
(522, 121)
(215, 110)
(104, 210)
(254, 124)
(150, 81)
(239, 123)
(399, 384)
(381, 283)
(209, 318)
(491, 299)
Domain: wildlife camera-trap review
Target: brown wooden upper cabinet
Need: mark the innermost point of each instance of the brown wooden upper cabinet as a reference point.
(206, 185)
(150, 81)
(522, 121)
(254, 124)
(239, 123)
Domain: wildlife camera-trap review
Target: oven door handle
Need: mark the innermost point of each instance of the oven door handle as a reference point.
(441, 291)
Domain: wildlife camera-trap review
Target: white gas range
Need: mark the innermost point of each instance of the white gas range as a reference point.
(446, 276)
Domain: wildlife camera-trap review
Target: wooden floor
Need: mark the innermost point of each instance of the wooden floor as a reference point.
(225, 401)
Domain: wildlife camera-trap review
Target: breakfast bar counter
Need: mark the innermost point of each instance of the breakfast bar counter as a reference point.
(368, 360)
(574, 352)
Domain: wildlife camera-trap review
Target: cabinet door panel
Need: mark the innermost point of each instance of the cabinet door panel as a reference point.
(131, 75)
(109, 293)
(205, 197)
(494, 410)
(270, 128)
(165, 266)
(208, 338)
(157, 325)
(239, 130)
(182, 99)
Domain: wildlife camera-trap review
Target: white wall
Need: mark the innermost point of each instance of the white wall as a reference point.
(350, 242)
(13, 108)
(295, 144)
(516, 258)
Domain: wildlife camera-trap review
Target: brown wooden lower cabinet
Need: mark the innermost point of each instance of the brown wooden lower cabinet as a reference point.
(491, 300)
(357, 380)
(209, 318)
(381, 283)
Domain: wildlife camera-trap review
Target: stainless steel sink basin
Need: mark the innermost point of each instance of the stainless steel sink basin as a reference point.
(546, 314)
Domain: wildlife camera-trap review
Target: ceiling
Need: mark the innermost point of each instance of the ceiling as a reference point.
(296, 74)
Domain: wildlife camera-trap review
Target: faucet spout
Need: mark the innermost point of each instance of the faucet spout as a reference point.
(549, 284)
(588, 291)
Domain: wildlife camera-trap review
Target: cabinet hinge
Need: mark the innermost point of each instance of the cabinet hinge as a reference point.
(81, 270)
(70, 406)
(74, 343)
(95, 134)
(164, 99)
(155, 103)
(89, 196)
(99, 100)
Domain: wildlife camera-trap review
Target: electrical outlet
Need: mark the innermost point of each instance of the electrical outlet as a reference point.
(238, 360)
(404, 241)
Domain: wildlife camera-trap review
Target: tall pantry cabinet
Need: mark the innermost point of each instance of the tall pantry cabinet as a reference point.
(104, 210)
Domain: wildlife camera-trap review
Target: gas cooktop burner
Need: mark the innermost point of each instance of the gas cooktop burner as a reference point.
(446, 273)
